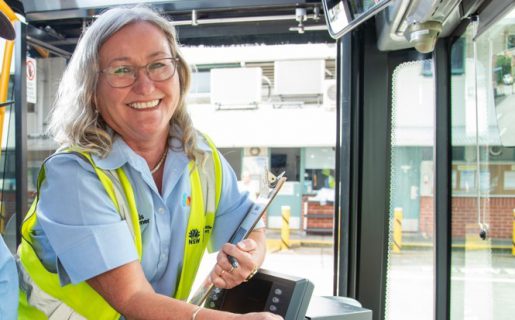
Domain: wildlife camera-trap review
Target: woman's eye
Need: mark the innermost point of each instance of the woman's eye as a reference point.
(156, 65)
(122, 70)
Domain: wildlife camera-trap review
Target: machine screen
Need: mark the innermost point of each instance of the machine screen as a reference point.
(247, 297)
(284, 295)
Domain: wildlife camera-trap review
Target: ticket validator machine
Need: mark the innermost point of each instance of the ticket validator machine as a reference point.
(288, 296)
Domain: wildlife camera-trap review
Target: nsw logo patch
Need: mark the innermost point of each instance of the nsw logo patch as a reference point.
(194, 236)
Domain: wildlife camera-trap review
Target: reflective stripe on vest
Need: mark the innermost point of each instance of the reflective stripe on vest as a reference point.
(211, 175)
(81, 299)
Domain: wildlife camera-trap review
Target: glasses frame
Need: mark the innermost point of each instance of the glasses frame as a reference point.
(106, 71)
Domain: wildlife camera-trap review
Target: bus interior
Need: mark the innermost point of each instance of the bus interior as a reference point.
(393, 120)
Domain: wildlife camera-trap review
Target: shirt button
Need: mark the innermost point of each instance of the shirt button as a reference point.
(161, 210)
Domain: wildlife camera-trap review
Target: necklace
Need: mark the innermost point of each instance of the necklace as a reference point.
(160, 163)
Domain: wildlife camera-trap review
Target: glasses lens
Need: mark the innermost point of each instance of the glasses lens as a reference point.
(120, 76)
(124, 76)
(162, 69)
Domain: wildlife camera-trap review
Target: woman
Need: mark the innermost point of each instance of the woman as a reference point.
(8, 283)
(126, 208)
(8, 273)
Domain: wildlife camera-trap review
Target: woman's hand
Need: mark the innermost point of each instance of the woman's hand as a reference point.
(259, 316)
(249, 253)
(224, 275)
(210, 314)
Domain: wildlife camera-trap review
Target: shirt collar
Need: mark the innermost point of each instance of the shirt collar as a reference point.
(175, 164)
(119, 155)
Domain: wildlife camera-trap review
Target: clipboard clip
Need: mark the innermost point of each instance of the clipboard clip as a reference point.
(271, 179)
(269, 182)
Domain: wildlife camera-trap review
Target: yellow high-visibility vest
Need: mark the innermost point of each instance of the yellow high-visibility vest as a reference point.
(48, 300)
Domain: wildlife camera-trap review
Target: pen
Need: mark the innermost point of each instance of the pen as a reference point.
(233, 261)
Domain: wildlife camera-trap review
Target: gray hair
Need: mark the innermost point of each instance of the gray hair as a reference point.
(75, 121)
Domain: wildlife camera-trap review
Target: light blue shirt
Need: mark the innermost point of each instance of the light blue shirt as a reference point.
(8, 284)
(80, 234)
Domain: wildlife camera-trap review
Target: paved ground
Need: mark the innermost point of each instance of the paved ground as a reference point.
(483, 280)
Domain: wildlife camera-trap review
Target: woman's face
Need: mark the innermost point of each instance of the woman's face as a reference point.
(141, 112)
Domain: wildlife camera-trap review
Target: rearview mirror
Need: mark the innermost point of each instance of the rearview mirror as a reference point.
(344, 15)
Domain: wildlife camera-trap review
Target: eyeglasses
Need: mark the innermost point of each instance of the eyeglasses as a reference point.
(125, 76)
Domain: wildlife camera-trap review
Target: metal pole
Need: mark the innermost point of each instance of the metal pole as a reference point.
(20, 107)
(442, 182)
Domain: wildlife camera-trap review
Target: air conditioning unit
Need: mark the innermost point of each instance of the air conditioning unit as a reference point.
(329, 94)
(255, 152)
(299, 77)
(236, 87)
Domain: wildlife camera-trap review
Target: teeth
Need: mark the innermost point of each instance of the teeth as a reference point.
(144, 105)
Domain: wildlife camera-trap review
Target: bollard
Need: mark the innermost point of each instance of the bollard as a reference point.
(513, 236)
(397, 230)
(285, 227)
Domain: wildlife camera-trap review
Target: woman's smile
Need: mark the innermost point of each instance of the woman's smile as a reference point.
(145, 104)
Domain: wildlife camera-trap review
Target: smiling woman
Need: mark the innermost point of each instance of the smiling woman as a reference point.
(128, 155)
(141, 103)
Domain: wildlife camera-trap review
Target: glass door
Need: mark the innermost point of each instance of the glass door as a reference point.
(410, 245)
(483, 173)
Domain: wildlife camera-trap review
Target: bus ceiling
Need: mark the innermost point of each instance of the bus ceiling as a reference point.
(56, 25)
(60, 23)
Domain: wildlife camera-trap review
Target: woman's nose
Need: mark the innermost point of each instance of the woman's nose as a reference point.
(143, 83)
